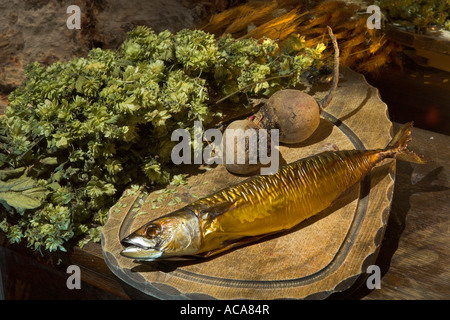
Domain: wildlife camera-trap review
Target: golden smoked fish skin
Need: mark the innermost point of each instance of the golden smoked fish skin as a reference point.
(261, 205)
(271, 203)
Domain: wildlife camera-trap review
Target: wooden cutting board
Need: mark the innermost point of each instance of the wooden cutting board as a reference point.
(323, 255)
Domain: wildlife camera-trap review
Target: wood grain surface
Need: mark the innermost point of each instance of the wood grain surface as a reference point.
(414, 255)
(322, 256)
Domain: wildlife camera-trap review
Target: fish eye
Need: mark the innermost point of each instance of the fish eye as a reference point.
(152, 230)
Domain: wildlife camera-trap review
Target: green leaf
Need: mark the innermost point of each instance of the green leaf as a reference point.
(178, 180)
(114, 119)
(79, 84)
(62, 143)
(50, 160)
(22, 193)
(11, 173)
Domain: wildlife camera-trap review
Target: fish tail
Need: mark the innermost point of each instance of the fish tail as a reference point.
(398, 148)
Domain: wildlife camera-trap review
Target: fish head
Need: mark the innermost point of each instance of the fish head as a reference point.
(173, 235)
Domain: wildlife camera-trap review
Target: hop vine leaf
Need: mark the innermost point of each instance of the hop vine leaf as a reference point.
(419, 13)
(22, 193)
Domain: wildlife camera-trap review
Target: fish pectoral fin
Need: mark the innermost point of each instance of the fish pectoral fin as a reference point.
(229, 245)
(216, 209)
